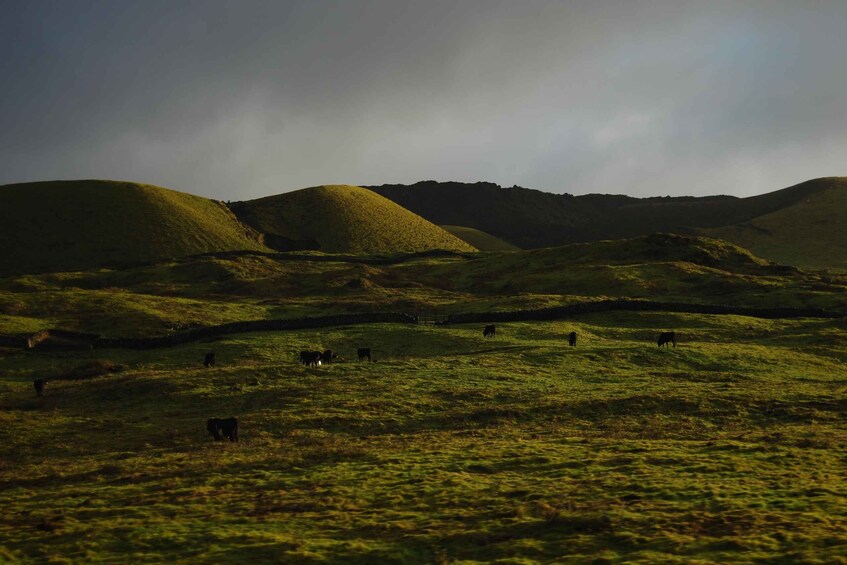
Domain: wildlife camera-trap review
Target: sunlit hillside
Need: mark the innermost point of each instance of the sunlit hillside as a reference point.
(341, 218)
(810, 233)
(68, 225)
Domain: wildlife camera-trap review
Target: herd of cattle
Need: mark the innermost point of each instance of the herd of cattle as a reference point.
(221, 428)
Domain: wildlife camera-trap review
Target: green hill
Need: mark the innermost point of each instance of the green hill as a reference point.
(70, 225)
(342, 219)
(810, 233)
(532, 219)
(481, 240)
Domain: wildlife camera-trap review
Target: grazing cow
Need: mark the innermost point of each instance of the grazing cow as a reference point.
(327, 356)
(221, 428)
(310, 358)
(489, 331)
(572, 339)
(209, 360)
(667, 337)
(364, 352)
(39, 386)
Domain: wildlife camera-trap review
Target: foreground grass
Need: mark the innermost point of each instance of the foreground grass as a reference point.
(449, 448)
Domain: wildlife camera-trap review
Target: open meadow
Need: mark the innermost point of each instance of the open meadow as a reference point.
(449, 447)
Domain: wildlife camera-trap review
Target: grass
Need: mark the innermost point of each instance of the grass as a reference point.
(69, 225)
(810, 233)
(480, 239)
(343, 219)
(158, 299)
(449, 448)
(799, 225)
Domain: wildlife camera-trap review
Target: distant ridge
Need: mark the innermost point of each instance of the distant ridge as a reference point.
(533, 219)
(342, 219)
(83, 224)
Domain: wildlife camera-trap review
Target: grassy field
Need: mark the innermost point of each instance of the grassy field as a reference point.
(343, 219)
(449, 448)
(161, 298)
(68, 225)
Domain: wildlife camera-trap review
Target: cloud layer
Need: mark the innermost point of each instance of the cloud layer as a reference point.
(235, 100)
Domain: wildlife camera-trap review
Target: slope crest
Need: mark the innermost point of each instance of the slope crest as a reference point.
(80, 224)
(342, 219)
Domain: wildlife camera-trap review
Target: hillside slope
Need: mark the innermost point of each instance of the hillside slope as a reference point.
(80, 224)
(481, 240)
(811, 233)
(342, 219)
(531, 218)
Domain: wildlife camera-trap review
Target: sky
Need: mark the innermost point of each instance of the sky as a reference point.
(240, 99)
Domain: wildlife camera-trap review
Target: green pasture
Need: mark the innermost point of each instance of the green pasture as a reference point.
(160, 298)
(449, 448)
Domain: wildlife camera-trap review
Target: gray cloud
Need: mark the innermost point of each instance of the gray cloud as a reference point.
(241, 99)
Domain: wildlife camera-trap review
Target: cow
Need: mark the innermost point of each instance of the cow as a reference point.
(572, 339)
(364, 352)
(327, 356)
(310, 358)
(39, 386)
(221, 428)
(489, 331)
(209, 360)
(667, 337)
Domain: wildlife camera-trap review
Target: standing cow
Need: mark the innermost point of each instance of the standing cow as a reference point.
(221, 428)
(572, 339)
(39, 386)
(667, 337)
(364, 353)
(489, 331)
(209, 360)
(310, 358)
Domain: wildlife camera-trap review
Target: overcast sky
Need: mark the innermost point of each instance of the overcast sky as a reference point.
(240, 99)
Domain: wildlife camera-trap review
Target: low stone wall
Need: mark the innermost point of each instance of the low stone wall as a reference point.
(254, 326)
(555, 313)
(560, 312)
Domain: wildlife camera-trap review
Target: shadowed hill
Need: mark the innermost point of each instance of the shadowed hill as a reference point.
(809, 233)
(345, 219)
(530, 218)
(481, 240)
(81, 224)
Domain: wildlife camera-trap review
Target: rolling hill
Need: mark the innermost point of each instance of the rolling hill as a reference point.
(342, 219)
(810, 233)
(802, 220)
(82, 224)
(481, 240)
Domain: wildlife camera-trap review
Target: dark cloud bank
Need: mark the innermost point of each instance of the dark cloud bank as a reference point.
(241, 99)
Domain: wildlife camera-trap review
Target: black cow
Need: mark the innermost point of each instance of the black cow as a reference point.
(221, 428)
(310, 358)
(39, 386)
(209, 360)
(327, 356)
(572, 339)
(364, 352)
(667, 337)
(489, 331)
